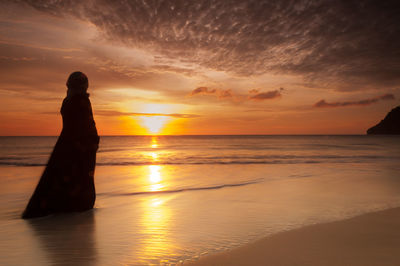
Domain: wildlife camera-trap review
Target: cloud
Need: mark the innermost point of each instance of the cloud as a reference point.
(203, 90)
(351, 43)
(260, 96)
(254, 94)
(323, 103)
(221, 94)
(118, 113)
(17, 58)
(169, 68)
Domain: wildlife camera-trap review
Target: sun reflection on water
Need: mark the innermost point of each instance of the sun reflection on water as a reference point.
(154, 156)
(154, 142)
(155, 175)
(155, 223)
(156, 219)
(155, 178)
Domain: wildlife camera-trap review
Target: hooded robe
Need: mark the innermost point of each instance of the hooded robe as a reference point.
(67, 183)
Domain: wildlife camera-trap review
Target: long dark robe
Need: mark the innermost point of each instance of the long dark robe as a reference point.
(67, 183)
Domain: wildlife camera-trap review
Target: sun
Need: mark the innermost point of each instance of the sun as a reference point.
(154, 124)
(154, 120)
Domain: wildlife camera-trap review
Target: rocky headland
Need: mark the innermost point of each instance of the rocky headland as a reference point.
(390, 125)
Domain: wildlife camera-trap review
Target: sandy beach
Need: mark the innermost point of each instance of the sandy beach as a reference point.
(370, 239)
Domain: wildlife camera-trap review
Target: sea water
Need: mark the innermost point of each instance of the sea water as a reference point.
(170, 199)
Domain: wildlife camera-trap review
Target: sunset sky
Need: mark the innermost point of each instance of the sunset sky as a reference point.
(201, 67)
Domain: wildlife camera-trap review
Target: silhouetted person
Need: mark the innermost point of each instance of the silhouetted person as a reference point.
(67, 183)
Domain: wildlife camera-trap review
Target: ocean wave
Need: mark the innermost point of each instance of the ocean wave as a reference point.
(224, 161)
(22, 164)
(102, 150)
(177, 190)
(13, 158)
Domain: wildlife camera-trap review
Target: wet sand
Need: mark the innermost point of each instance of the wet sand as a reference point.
(369, 239)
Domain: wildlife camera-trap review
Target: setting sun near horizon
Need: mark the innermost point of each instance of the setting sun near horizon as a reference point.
(153, 119)
(156, 118)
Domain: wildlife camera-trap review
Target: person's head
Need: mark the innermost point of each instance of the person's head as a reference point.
(77, 82)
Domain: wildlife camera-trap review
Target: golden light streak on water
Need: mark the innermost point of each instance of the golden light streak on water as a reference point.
(155, 222)
(154, 142)
(154, 156)
(154, 176)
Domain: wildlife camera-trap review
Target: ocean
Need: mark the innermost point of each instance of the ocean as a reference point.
(171, 199)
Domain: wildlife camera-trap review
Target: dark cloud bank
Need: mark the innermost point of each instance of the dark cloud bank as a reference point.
(220, 93)
(364, 102)
(352, 43)
(254, 94)
(260, 96)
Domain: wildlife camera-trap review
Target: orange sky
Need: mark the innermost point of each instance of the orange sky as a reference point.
(176, 71)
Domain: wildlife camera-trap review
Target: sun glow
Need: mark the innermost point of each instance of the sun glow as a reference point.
(155, 120)
(154, 124)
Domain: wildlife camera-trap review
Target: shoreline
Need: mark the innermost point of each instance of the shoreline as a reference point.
(368, 239)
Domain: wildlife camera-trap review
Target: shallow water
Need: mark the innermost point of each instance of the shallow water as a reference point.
(163, 200)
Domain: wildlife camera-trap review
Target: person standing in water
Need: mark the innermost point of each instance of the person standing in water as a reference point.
(67, 183)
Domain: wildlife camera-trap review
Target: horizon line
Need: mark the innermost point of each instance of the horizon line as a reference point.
(167, 135)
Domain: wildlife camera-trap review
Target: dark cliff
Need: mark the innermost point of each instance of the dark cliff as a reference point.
(389, 125)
